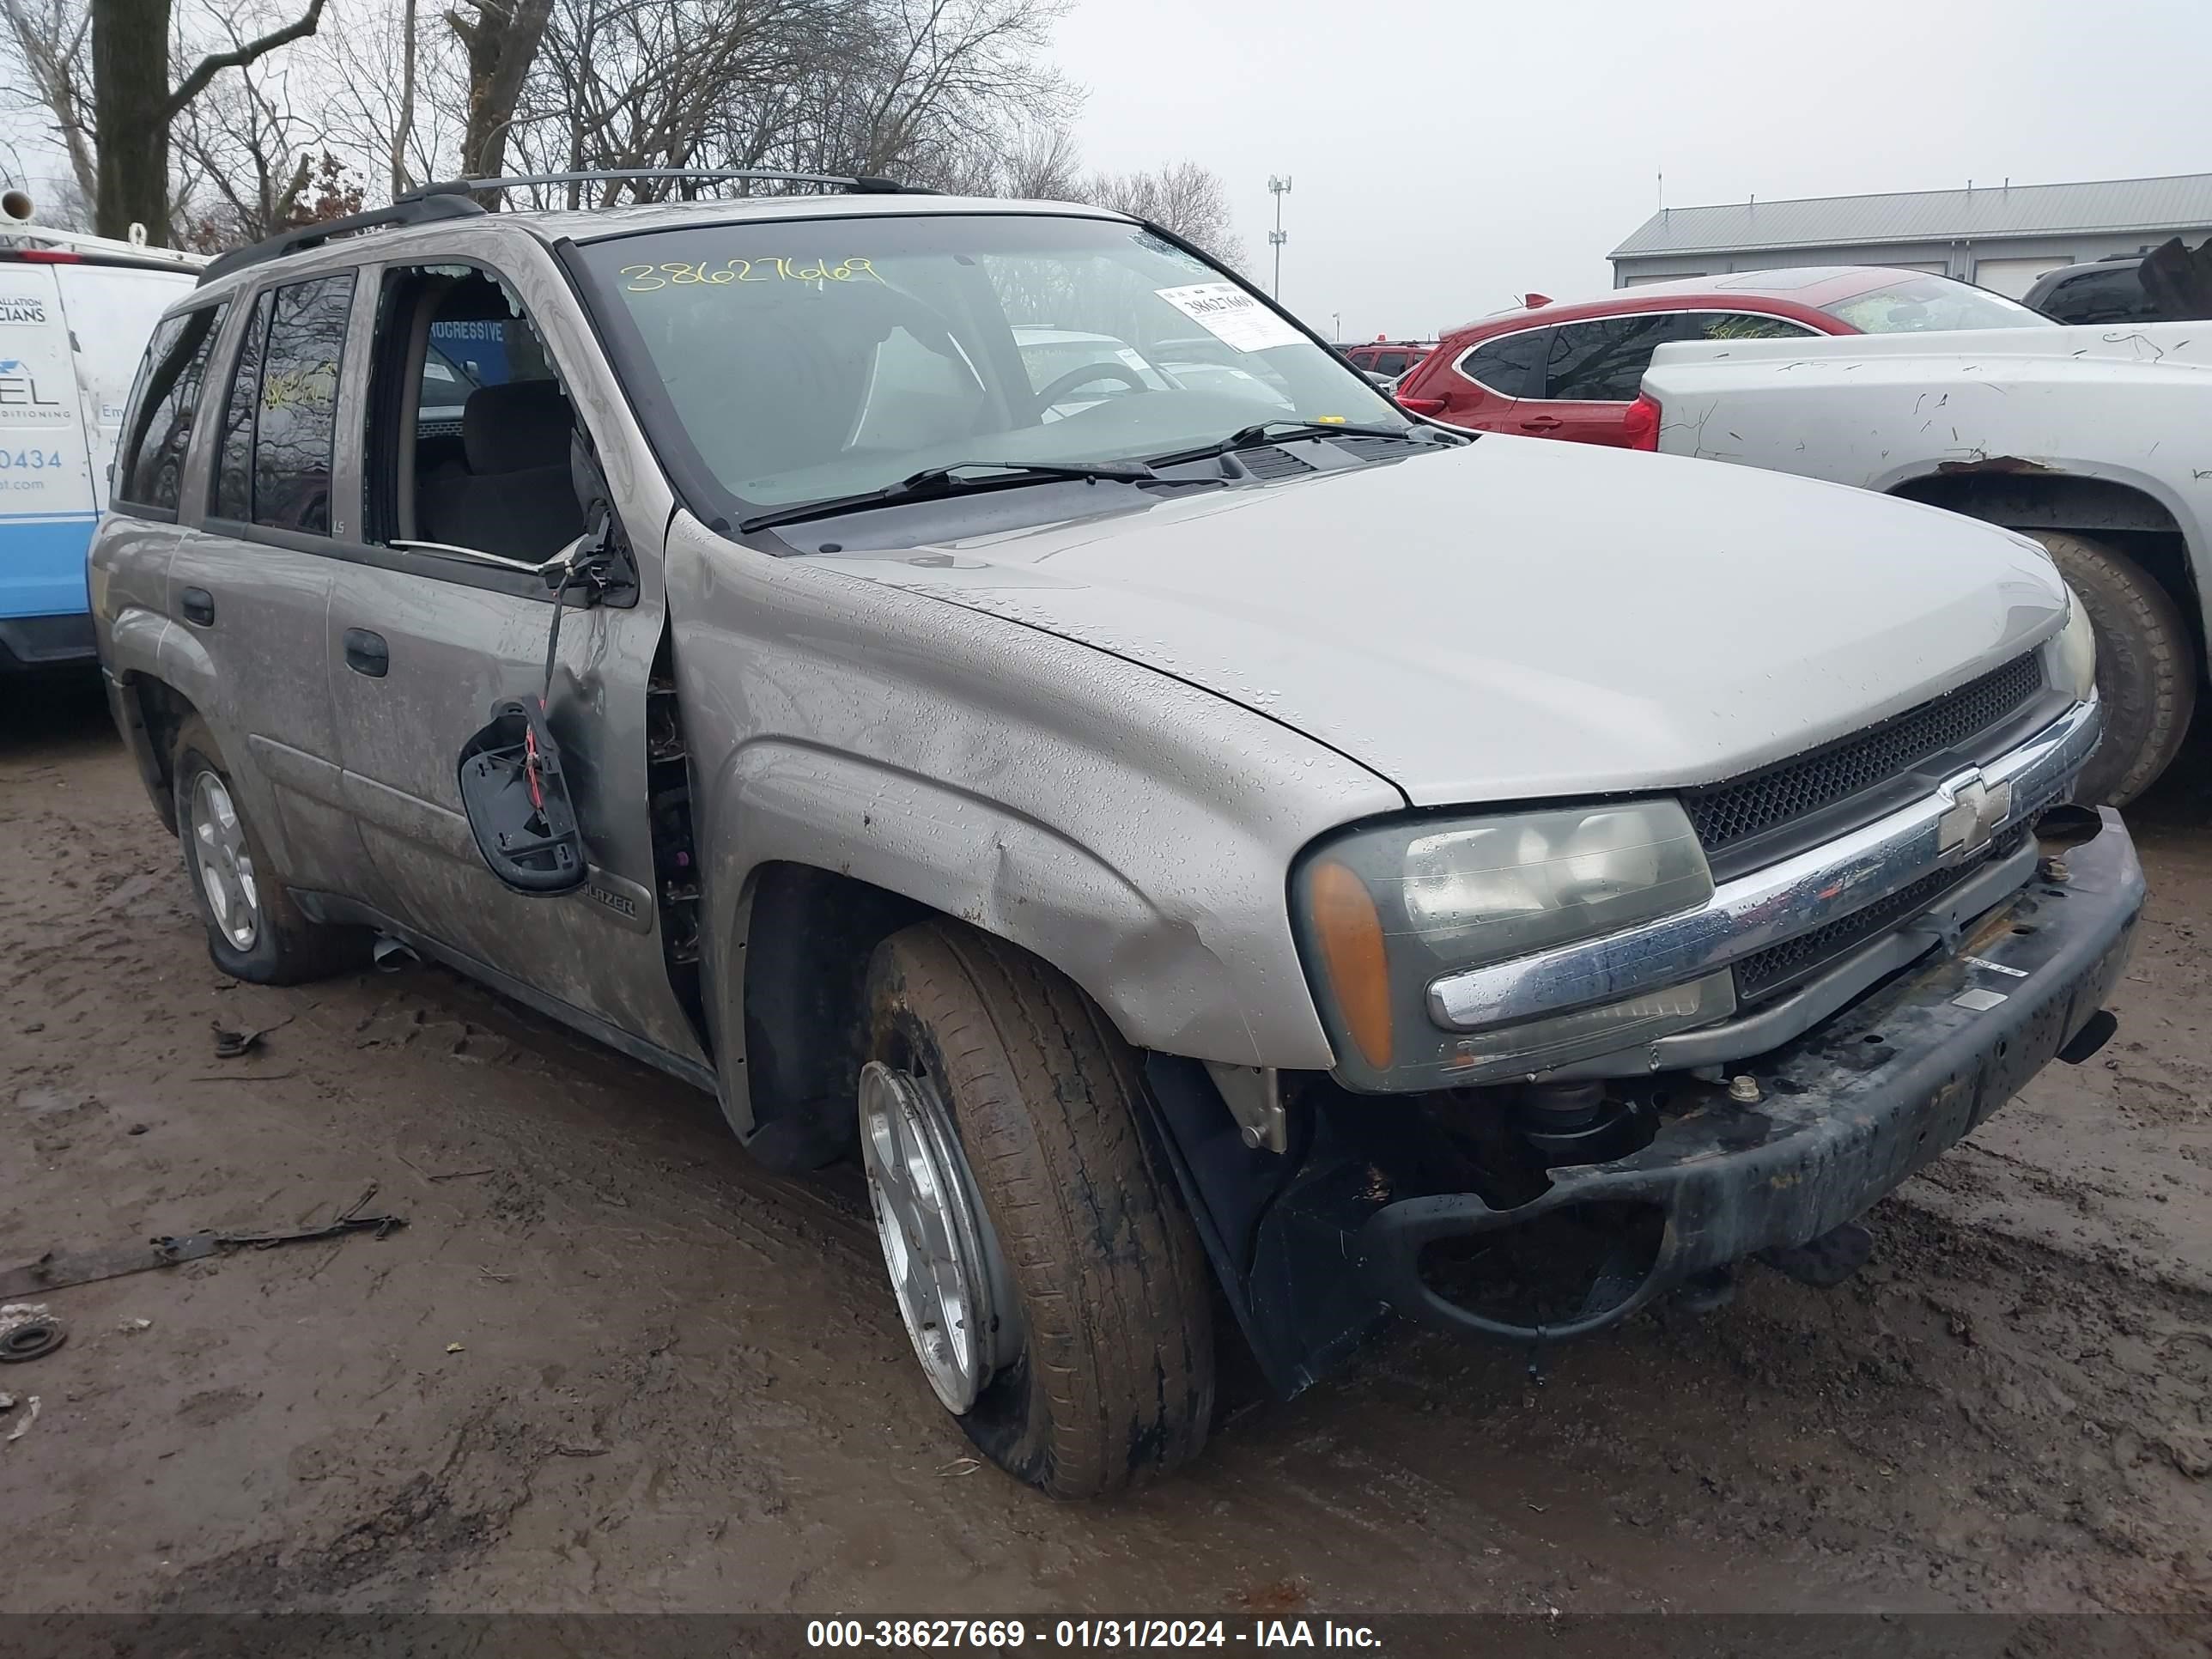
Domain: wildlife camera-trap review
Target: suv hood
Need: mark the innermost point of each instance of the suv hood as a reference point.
(1520, 618)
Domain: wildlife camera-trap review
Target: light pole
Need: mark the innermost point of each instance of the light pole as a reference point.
(1278, 236)
(1335, 325)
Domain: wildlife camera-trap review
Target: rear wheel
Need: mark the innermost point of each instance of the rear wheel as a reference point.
(1047, 1271)
(2146, 666)
(254, 930)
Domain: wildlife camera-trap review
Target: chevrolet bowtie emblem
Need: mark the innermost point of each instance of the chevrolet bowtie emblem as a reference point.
(1976, 811)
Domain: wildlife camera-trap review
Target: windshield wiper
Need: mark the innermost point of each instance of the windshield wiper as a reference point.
(935, 483)
(1275, 431)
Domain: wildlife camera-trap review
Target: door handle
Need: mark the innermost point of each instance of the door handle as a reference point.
(1543, 424)
(367, 653)
(198, 607)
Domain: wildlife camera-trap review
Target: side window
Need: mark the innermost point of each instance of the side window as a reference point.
(1742, 325)
(232, 493)
(1511, 365)
(1603, 362)
(2115, 295)
(469, 430)
(159, 428)
(280, 423)
(1389, 362)
(295, 434)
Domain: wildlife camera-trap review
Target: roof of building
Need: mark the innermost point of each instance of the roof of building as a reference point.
(2163, 205)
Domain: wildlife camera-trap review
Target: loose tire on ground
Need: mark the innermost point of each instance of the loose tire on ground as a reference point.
(2146, 666)
(1114, 1382)
(286, 947)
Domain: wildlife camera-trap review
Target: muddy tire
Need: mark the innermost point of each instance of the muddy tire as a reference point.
(1103, 1372)
(2146, 667)
(255, 931)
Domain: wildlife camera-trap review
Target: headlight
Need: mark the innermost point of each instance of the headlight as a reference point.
(2074, 652)
(1384, 910)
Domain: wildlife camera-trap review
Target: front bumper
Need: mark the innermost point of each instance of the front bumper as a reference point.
(1846, 1112)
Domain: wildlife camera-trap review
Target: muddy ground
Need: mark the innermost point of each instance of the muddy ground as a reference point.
(610, 1365)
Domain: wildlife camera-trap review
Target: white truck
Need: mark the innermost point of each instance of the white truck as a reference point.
(75, 313)
(2096, 441)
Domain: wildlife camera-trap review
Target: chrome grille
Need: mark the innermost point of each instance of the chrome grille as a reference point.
(1726, 813)
(1780, 966)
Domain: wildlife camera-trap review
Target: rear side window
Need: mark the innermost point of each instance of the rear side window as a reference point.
(2114, 295)
(1603, 362)
(1390, 363)
(159, 428)
(1512, 365)
(280, 424)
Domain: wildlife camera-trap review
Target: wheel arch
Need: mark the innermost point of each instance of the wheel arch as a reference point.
(813, 859)
(2130, 515)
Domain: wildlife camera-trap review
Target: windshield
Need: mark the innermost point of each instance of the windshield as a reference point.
(802, 360)
(1914, 305)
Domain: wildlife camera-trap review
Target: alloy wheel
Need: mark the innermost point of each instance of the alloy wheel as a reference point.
(224, 864)
(954, 1292)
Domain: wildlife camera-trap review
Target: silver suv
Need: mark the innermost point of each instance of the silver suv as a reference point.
(1291, 859)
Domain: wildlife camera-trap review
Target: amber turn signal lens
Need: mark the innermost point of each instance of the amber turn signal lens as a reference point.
(1350, 933)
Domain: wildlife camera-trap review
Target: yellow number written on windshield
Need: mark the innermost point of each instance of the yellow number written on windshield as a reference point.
(648, 279)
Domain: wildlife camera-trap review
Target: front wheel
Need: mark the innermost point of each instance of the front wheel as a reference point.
(2146, 666)
(1045, 1267)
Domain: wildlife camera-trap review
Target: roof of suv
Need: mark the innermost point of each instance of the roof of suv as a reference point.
(599, 224)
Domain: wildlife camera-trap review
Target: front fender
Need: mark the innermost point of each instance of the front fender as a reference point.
(986, 864)
(1133, 830)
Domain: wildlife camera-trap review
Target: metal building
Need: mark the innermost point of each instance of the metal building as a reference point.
(2002, 237)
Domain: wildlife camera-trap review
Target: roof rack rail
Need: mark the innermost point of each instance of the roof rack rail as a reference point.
(408, 211)
(861, 183)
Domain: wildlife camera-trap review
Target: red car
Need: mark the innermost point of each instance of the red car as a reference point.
(1388, 357)
(1572, 371)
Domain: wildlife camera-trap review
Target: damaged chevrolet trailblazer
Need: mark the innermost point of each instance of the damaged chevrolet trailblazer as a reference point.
(1167, 832)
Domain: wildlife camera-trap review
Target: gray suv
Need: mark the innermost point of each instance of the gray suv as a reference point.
(1288, 859)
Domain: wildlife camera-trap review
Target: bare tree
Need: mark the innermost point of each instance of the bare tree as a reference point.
(134, 105)
(251, 145)
(395, 92)
(52, 38)
(1184, 196)
(501, 38)
(663, 84)
(1035, 160)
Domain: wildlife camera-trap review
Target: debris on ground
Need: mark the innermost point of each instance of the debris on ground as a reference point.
(132, 1326)
(31, 1338)
(53, 1272)
(29, 1332)
(30, 1416)
(230, 1045)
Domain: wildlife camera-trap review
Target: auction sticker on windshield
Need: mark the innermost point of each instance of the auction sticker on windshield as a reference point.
(1231, 316)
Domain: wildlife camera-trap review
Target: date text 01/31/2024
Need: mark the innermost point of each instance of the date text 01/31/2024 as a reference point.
(1002, 1634)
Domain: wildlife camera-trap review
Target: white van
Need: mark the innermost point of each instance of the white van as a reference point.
(75, 315)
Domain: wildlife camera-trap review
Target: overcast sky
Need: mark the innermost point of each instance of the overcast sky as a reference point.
(1448, 156)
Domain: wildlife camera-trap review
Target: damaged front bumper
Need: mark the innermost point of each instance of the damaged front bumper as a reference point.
(1844, 1114)
(1315, 1249)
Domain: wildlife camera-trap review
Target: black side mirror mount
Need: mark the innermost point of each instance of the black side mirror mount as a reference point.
(517, 803)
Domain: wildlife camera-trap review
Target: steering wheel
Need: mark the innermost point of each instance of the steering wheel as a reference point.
(1085, 375)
